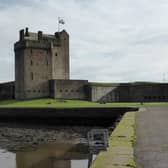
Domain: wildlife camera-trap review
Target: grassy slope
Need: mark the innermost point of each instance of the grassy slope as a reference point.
(120, 153)
(48, 102)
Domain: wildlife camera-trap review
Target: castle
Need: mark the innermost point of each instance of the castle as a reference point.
(42, 67)
(42, 70)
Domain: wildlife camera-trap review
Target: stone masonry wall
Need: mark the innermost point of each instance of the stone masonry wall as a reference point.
(68, 89)
(102, 93)
(37, 72)
(129, 92)
(149, 93)
(7, 90)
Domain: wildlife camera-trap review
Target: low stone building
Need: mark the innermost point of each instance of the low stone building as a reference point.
(128, 92)
(69, 89)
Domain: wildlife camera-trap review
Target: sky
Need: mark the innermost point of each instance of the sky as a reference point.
(110, 40)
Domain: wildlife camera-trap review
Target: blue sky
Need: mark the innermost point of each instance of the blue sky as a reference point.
(112, 40)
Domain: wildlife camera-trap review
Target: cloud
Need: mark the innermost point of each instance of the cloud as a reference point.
(112, 40)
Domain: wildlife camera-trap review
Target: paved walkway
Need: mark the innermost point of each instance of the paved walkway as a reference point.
(151, 148)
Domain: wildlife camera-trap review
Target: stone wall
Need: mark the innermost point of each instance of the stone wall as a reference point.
(68, 89)
(7, 90)
(149, 92)
(103, 116)
(102, 93)
(33, 74)
(128, 92)
(108, 92)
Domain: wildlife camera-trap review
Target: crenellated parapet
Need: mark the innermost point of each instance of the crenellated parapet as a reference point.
(38, 40)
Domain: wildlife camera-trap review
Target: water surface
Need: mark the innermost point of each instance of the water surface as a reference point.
(44, 146)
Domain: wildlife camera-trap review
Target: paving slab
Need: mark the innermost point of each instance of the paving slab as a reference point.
(151, 147)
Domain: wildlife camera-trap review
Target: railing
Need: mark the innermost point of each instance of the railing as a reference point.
(98, 140)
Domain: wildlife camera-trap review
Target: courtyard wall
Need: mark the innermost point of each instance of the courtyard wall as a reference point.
(7, 90)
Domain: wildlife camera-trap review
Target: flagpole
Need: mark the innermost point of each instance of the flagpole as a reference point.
(60, 21)
(58, 24)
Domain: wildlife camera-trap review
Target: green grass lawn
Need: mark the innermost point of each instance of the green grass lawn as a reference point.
(49, 102)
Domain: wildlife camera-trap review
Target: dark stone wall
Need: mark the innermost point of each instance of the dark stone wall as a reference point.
(103, 116)
(149, 92)
(68, 89)
(7, 90)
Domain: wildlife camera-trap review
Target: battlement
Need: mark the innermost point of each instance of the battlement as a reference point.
(39, 40)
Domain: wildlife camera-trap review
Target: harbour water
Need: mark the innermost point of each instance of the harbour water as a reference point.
(43, 146)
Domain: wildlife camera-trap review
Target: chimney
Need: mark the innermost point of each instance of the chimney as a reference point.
(40, 35)
(27, 31)
(22, 35)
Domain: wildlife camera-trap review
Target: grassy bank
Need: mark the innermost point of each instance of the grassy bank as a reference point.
(48, 102)
(120, 153)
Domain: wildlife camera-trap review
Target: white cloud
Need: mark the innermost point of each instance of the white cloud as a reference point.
(112, 40)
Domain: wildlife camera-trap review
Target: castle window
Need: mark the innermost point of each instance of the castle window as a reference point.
(56, 54)
(31, 75)
(31, 62)
(47, 63)
(31, 51)
(60, 90)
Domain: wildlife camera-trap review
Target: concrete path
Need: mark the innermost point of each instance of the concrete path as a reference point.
(151, 148)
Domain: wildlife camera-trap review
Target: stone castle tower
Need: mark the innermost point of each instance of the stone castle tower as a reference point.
(39, 58)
